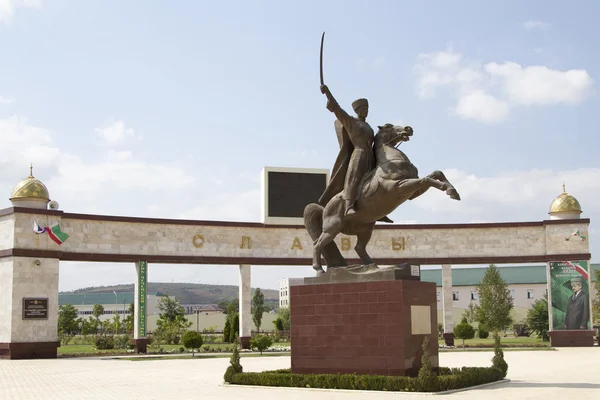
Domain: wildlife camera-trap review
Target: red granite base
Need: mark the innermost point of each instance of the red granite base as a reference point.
(30, 350)
(140, 345)
(360, 327)
(572, 338)
(245, 342)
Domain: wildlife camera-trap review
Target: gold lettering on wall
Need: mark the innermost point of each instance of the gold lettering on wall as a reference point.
(346, 244)
(198, 241)
(399, 244)
(246, 242)
(297, 244)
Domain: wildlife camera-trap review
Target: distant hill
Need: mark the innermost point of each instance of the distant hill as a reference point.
(186, 293)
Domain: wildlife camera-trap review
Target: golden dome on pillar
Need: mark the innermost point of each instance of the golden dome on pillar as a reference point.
(565, 203)
(30, 188)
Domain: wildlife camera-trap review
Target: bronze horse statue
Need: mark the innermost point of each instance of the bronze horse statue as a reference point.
(392, 181)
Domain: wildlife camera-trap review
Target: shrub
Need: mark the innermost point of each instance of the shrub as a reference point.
(498, 359)
(261, 342)
(122, 341)
(455, 378)
(482, 332)
(464, 331)
(235, 368)
(192, 340)
(427, 380)
(103, 342)
(226, 331)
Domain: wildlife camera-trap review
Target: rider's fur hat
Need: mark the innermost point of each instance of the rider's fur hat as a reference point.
(360, 103)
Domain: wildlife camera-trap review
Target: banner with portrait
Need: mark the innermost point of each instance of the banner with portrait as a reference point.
(569, 291)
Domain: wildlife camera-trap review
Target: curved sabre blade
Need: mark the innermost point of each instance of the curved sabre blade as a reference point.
(321, 59)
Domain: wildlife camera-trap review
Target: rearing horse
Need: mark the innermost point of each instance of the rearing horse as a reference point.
(393, 181)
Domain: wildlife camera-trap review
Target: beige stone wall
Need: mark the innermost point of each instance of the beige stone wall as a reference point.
(110, 237)
(28, 280)
(7, 238)
(556, 235)
(6, 277)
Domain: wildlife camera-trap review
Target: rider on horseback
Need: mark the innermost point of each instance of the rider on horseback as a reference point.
(353, 167)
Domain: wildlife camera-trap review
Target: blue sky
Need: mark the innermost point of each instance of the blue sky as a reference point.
(152, 108)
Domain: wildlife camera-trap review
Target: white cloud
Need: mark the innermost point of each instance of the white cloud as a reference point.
(539, 85)
(6, 100)
(481, 106)
(535, 24)
(115, 134)
(69, 176)
(488, 92)
(8, 8)
(513, 196)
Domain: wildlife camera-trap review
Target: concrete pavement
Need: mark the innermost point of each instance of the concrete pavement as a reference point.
(568, 372)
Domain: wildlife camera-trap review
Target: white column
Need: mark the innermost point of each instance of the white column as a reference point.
(447, 298)
(245, 297)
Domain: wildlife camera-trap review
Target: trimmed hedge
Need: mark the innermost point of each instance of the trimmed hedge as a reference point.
(448, 379)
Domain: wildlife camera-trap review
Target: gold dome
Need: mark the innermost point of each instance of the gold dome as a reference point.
(30, 188)
(565, 203)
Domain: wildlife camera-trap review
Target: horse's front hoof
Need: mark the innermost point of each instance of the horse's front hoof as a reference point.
(453, 194)
(318, 269)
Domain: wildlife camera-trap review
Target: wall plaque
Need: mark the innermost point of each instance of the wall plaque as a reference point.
(35, 308)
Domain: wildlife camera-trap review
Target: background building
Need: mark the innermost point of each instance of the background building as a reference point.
(284, 291)
(113, 303)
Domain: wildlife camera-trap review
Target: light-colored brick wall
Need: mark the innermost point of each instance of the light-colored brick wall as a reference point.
(112, 237)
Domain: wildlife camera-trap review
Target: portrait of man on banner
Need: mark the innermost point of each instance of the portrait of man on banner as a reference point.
(569, 285)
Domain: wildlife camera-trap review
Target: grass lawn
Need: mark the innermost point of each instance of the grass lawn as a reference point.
(509, 341)
(201, 356)
(88, 349)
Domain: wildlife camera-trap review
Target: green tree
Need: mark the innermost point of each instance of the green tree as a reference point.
(97, 312)
(258, 308)
(284, 314)
(171, 323)
(192, 340)
(116, 325)
(278, 323)
(537, 318)
(470, 313)
(68, 323)
(227, 331)
(223, 304)
(261, 342)
(89, 326)
(235, 328)
(128, 320)
(233, 306)
(495, 301)
(464, 331)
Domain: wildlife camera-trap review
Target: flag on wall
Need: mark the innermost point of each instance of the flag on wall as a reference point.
(579, 235)
(54, 232)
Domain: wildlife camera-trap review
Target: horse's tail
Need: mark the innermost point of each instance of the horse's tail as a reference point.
(313, 221)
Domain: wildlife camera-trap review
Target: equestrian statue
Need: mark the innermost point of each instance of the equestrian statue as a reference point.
(370, 179)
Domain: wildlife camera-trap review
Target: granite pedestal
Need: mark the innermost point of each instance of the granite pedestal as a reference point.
(365, 321)
(572, 338)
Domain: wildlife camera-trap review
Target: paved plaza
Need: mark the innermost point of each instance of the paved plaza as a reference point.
(565, 373)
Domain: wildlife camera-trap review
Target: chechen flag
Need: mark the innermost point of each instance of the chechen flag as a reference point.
(54, 232)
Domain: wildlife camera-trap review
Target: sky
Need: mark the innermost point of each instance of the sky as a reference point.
(171, 109)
